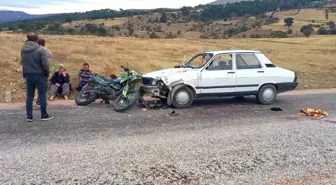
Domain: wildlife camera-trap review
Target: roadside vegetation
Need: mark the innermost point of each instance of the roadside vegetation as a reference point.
(238, 20)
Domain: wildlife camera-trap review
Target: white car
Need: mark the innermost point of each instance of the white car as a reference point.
(219, 73)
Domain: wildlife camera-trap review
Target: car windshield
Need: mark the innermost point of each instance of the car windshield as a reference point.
(199, 60)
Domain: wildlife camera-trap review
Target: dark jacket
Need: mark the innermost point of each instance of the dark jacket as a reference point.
(34, 59)
(59, 78)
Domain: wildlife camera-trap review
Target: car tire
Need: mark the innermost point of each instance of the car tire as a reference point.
(267, 94)
(183, 98)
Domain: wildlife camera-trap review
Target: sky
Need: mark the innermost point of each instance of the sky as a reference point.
(63, 6)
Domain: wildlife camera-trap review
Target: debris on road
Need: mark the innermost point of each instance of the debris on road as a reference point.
(276, 109)
(174, 114)
(313, 112)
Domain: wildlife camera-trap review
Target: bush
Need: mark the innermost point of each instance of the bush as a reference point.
(257, 35)
(307, 33)
(170, 36)
(102, 31)
(333, 31)
(279, 34)
(289, 31)
(116, 28)
(204, 37)
(322, 31)
(153, 35)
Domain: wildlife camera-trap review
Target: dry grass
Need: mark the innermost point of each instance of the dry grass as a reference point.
(304, 17)
(107, 22)
(312, 57)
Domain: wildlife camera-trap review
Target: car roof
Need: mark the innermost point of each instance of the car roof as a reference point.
(233, 51)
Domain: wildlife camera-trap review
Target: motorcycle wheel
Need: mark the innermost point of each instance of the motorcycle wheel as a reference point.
(124, 103)
(84, 98)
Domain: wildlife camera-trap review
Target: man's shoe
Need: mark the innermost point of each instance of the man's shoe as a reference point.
(66, 97)
(30, 120)
(47, 118)
(51, 98)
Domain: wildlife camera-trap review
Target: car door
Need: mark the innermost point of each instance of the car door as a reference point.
(219, 76)
(250, 72)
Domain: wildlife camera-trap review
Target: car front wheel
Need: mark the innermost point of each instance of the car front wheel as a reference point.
(267, 94)
(183, 98)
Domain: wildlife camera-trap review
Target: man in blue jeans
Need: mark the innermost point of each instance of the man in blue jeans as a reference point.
(36, 72)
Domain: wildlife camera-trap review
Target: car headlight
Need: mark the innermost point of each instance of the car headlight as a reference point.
(154, 82)
(165, 79)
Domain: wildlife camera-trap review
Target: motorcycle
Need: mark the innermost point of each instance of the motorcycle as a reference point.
(100, 87)
(130, 93)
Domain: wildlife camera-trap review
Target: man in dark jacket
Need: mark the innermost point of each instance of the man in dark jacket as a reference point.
(60, 83)
(36, 72)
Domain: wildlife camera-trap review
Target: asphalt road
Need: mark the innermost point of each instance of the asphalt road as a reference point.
(214, 142)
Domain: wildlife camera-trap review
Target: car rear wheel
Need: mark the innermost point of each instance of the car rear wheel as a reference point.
(183, 98)
(267, 94)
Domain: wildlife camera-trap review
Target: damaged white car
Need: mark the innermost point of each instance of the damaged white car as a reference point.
(218, 73)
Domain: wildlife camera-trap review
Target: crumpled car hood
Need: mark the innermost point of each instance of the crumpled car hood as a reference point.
(165, 72)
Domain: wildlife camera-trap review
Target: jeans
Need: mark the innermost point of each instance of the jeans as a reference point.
(81, 85)
(39, 82)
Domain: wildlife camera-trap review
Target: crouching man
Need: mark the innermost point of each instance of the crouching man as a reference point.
(60, 84)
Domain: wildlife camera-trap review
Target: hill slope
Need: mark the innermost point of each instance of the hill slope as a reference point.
(7, 16)
(227, 1)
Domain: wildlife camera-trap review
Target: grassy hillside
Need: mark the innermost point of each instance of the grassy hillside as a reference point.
(301, 17)
(312, 57)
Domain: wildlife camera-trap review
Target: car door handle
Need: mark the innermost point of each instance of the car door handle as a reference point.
(261, 71)
(231, 72)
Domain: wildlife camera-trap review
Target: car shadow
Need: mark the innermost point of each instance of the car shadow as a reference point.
(225, 101)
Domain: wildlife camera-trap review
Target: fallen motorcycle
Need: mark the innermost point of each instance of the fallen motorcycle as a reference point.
(130, 93)
(100, 88)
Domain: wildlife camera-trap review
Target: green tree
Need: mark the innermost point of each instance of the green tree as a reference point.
(69, 19)
(289, 22)
(185, 11)
(307, 27)
(163, 18)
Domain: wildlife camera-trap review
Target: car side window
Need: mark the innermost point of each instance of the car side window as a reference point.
(247, 61)
(221, 62)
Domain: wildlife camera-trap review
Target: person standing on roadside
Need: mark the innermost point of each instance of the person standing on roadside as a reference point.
(36, 72)
(41, 42)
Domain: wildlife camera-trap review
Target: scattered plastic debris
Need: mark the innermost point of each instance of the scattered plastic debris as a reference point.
(313, 112)
(276, 109)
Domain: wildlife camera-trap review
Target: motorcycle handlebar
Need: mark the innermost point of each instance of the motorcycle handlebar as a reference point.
(126, 69)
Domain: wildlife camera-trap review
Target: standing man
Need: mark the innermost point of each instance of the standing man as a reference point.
(36, 72)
